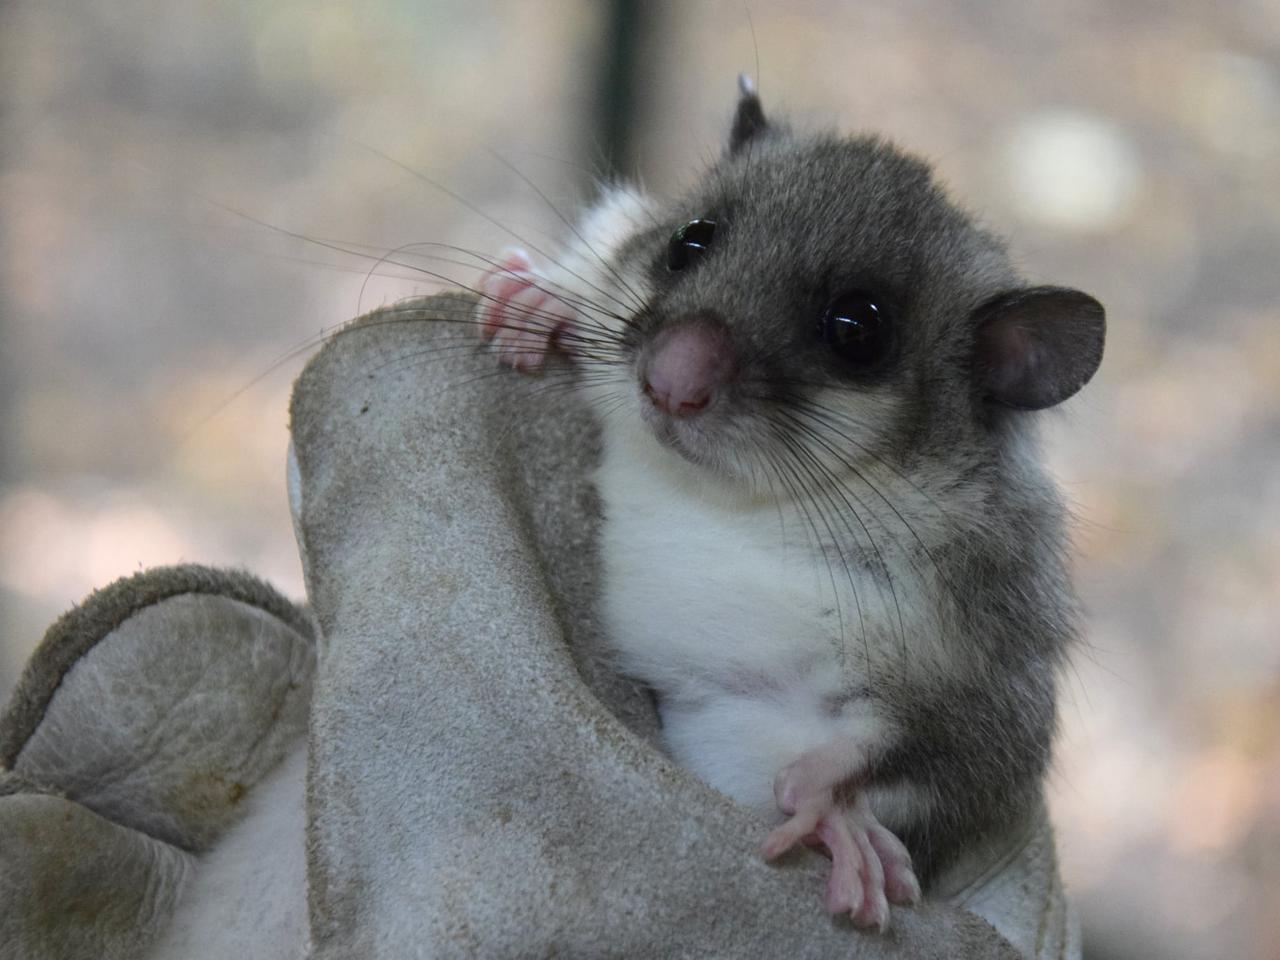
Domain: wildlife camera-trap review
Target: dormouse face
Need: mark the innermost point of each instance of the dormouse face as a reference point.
(818, 305)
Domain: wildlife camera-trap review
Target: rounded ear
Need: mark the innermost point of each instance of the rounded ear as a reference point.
(1037, 346)
(748, 120)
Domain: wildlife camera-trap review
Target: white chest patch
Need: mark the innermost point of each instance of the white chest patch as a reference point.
(757, 647)
(757, 643)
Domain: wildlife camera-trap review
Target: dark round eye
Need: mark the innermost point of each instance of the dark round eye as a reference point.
(689, 243)
(856, 329)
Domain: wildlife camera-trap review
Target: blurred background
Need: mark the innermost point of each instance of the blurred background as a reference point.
(1130, 149)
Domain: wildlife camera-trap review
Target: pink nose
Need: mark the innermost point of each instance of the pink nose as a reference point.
(688, 365)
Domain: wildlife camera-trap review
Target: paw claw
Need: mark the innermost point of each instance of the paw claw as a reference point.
(515, 259)
(873, 914)
(904, 890)
(519, 312)
(785, 836)
(870, 867)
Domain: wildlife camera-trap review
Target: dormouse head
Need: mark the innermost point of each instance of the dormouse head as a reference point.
(818, 302)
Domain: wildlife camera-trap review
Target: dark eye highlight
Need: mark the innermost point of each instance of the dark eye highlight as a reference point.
(689, 243)
(857, 329)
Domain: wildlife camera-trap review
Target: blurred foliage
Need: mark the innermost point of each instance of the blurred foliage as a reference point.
(1130, 149)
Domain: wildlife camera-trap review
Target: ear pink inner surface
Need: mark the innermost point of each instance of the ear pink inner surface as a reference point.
(688, 365)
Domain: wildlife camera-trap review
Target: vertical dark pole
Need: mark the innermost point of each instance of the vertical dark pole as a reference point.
(629, 27)
(8, 151)
(9, 624)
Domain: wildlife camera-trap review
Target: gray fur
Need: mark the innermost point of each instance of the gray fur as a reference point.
(748, 121)
(801, 220)
(469, 795)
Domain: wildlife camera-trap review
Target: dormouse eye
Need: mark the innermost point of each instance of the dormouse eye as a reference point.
(856, 329)
(689, 243)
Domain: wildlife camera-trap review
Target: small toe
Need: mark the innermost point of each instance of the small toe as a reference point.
(845, 887)
(873, 911)
(900, 882)
(786, 835)
(514, 259)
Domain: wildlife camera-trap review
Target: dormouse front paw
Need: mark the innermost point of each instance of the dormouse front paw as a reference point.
(870, 867)
(520, 311)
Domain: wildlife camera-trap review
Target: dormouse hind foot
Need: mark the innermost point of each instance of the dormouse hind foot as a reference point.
(520, 311)
(870, 867)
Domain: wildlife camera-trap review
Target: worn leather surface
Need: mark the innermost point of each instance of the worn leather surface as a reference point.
(174, 716)
(481, 784)
(76, 886)
(137, 735)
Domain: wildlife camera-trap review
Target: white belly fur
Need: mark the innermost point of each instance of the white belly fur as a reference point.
(724, 608)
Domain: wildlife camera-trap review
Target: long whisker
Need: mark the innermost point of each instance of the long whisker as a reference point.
(797, 496)
(470, 344)
(832, 488)
(637, 300)
(819, 487)
(399, 315)
(444, 278)
(796, 469)
(292, 353)
(819, 421)
(478, 211)
(793, 414)
(830, 419)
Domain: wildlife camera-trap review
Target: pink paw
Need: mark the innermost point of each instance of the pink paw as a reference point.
(520, 313)
(870, 868)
